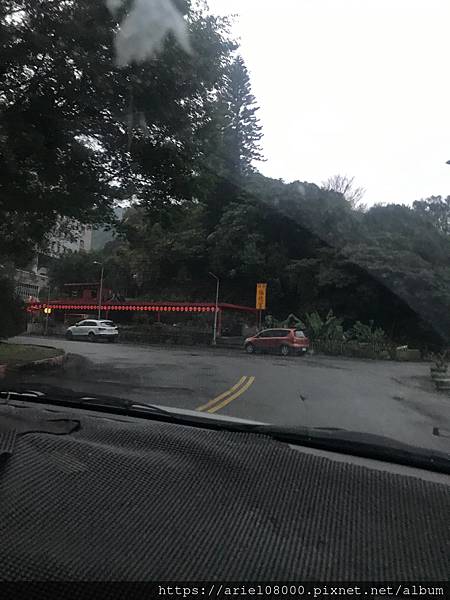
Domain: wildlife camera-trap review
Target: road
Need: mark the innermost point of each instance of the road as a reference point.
(386, 398)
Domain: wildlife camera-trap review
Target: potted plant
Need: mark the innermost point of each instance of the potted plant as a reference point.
(440, 367)
(439, 372)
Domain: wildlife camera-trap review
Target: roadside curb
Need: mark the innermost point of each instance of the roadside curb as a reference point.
(44, 363)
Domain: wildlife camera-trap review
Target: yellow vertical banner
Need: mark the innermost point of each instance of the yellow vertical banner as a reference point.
(261, 296)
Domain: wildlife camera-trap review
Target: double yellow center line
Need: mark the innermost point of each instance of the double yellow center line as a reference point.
(224, 399)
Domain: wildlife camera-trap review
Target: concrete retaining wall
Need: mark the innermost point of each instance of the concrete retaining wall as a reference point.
(408, 355)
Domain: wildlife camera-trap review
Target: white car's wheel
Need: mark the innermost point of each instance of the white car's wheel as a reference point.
(69, 335)
(91, 336)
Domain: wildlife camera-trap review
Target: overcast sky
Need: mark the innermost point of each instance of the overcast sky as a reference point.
(355, 87)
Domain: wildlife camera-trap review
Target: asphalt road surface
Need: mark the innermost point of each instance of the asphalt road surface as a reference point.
(396, 400)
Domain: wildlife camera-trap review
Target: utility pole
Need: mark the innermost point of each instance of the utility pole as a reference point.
(216, 313)
(101, 289)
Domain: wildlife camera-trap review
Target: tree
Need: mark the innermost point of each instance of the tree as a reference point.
(49, 106)
(346, 186)
(76, 132)
(237, 140)
(12, 313)
(120, 270)
(242, 131)
(166, 249)
(74, 267)
(437, 210)
(175, 128)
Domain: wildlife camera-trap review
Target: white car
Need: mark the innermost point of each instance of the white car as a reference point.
(93, 330)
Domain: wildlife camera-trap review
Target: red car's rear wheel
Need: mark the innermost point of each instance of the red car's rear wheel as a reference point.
(285, 350)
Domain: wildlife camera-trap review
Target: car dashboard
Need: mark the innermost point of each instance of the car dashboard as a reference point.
(96, 497)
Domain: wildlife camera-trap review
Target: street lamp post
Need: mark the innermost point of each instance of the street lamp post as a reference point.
(47, 312)
(216, 313)
(101, 289)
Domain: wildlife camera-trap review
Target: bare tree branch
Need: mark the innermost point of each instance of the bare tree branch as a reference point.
(346, 186)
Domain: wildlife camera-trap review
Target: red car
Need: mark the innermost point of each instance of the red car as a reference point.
(284, 341)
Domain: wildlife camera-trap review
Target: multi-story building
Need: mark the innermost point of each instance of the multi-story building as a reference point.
(67, 237)
(29, 284)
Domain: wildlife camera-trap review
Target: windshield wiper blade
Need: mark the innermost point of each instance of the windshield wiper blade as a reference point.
(66, 399)
(119, 406)
(366, 445)
(322, 438)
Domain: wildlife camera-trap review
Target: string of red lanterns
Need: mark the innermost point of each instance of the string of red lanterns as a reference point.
(34, 307)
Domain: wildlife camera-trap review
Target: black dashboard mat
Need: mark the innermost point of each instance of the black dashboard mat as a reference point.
(142, 501)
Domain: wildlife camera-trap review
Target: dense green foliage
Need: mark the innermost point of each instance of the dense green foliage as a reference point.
(330, 328)
(179, 134)
(76, 132)
(12, 313)
(387, 265)
(437, 210)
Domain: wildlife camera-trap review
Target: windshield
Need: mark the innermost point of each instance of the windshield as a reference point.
(239, 209)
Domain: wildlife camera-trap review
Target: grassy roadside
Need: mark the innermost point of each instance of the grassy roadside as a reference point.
(18, 354)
